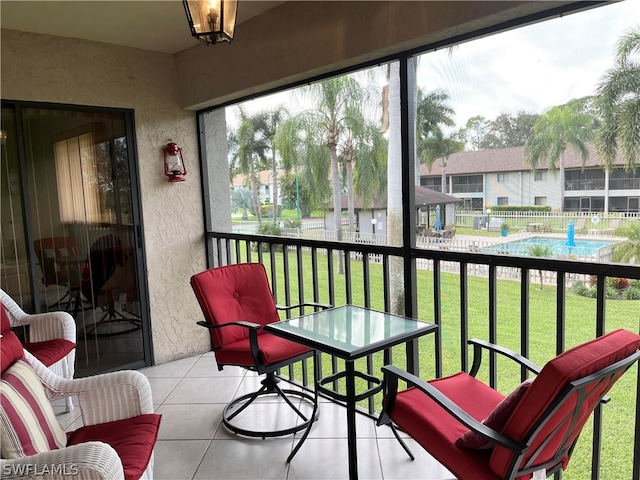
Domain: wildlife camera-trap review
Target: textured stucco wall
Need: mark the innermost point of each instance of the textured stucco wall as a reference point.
(61, 70)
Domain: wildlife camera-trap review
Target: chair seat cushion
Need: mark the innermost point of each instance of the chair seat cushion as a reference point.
(50, 351)
(273, 349)
(133, 439)
(437, 431)
(29, 425)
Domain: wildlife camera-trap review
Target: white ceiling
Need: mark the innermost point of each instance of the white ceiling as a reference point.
(146, 24)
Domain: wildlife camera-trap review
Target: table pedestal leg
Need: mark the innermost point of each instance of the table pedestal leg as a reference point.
(351, 420)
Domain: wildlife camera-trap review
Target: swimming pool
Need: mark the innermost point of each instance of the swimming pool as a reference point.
(583, 248)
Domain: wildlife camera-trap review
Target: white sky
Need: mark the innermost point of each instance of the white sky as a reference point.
(529, 68)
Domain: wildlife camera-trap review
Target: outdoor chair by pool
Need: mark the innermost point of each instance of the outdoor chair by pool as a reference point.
(478, 433)
(118, 432)
(613, 226)
(237, 303)
(51, 337)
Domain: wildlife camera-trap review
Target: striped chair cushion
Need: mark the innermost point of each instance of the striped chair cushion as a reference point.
(29, 425)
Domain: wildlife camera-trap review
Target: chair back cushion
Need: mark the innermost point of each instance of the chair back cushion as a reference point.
(9, 344)
(29, 425)
(232, 293)
(574, 364)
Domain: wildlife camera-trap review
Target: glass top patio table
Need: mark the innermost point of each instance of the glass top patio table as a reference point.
(350, 332)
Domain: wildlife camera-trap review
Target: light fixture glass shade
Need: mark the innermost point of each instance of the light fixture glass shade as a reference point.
(212, 21)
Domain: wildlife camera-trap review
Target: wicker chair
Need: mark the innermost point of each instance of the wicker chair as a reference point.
(119, 428)
(52, 338)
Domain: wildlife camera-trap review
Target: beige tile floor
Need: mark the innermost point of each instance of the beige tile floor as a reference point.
(193, 444)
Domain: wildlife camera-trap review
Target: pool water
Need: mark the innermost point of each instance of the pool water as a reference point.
(583, 248)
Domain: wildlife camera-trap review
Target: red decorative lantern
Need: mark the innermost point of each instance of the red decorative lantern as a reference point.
(174, 164)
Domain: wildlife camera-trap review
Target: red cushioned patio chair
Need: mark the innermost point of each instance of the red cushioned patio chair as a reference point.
(119, 429)
(237, 303)
(51, 338)
(478, 434)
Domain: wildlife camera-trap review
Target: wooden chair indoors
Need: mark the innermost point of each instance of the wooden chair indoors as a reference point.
(51, 337)
(478, 433)
(237, 302)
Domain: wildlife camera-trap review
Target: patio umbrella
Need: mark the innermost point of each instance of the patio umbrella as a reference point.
(571, 234)
(438, 225)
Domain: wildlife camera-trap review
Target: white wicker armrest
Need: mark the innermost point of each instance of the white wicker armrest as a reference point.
(42, 326)
(86, 461)
(51, 325)
(102, 398)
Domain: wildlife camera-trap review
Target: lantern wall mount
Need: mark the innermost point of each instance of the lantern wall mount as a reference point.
(174, 164)
(212, 21)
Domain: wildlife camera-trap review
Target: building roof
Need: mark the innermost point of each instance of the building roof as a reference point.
(509, 159)
(424, 197)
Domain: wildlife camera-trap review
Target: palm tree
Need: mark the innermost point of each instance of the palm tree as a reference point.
(334, 131)
(618, 102)
(629, 251)
(267, 123)
(438, 146)
(249, 148)
(540, 250)
(556, 130)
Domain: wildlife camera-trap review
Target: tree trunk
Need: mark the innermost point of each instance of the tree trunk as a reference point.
(255, 196)
(561, 172)
(275, 188)
(443, 180)
(394, 193)
(351, 197)
(337, 217)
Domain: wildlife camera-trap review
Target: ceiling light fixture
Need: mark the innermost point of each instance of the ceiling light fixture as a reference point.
(212, 21)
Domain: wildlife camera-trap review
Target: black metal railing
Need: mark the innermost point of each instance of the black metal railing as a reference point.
(443, 280)
(624, 183)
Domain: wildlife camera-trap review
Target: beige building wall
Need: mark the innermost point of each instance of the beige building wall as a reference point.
(62, 70)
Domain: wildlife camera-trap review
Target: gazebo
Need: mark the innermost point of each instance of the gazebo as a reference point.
(372, 218)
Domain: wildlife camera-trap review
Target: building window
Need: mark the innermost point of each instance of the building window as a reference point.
(433, 183)
(540, 177)
(540, 201)
(503, 200)
(502, 178)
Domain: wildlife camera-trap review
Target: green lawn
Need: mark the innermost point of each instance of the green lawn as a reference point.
(617, 450)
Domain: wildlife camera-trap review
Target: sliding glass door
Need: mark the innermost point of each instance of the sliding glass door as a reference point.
(70, 227)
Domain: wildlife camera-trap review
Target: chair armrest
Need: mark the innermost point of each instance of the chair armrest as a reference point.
(51, 325)
(391, 376)
(102, 398)
(316, 306)
(238, 323)
(90, 461)
(479, 345)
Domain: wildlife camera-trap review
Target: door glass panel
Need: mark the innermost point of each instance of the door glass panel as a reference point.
(80, 232)
(14, 258)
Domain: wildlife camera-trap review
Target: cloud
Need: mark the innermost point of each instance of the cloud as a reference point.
(531, 68)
